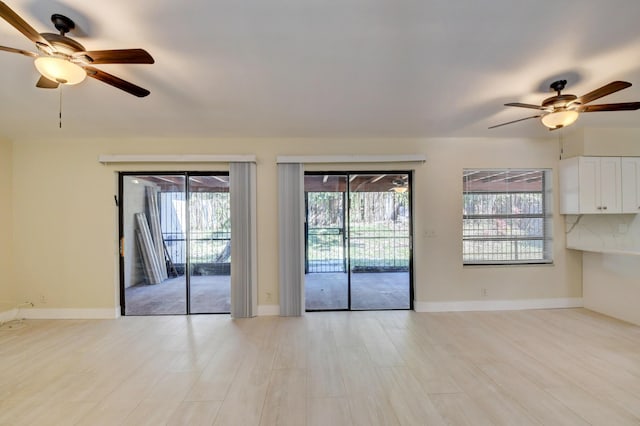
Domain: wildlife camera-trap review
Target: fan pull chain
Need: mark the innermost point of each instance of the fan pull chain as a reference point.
(60, 108)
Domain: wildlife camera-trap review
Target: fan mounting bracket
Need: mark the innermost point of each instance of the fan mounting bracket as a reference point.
(62, 23)
(558, 86)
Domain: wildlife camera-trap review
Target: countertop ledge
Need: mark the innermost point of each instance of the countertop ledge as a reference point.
(602, 250)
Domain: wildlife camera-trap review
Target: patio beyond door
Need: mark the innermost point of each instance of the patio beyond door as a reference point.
(358, 241)
(175, 243)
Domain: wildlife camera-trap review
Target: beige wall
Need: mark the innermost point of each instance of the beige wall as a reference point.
(611, 285)
(67, 219)
(7, 285)
(601, 142)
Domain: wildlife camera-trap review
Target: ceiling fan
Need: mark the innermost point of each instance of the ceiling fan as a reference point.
(400, 184)
(563, 110)
(62, 60)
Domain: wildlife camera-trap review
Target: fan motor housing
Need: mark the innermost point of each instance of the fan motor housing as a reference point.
(62, 44)
(558, 101)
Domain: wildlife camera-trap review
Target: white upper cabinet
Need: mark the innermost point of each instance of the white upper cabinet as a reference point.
(610, 185)
(630, 184)
(591, 185)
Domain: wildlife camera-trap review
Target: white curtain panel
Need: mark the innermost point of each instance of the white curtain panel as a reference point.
(291, 237)
(244, 271)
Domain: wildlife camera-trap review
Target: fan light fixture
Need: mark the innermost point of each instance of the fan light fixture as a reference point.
(561, 118)
(60, 70)
(399, 189)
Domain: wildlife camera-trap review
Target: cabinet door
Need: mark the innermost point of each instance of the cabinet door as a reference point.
(610, 191)
(630, 185)
(590, 185)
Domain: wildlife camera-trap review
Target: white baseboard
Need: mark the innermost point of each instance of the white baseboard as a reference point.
(70, 313)
(268, 310)
(498, 305)
(8, 315)
(274, 310)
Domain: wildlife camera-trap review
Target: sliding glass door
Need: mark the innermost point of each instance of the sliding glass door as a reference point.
(358, 241)
(326, 268)
(174, 243)
(209, 244)
(379, 241)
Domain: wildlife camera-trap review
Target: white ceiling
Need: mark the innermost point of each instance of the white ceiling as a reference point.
(323, 68)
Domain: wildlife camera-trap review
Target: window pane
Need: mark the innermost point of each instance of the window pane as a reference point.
(507, 227)
(505, 216)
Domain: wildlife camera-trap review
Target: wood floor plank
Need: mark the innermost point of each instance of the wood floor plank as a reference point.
(62, 412)
(516, 335)
(328, 411)
(542, 407)
(20, 411)
(382, 352)
(291, 344)
(171, 387)
(324, 375)
(460, 409)
(416, 354)
(107, 413)
(216, 378)
(497, 404)
(410, 404)
(564, 366)
(150, 413)
(195, 413)
(285, 403)
(594, 410)
(244, 402)
(372, 409)
(627, 397)
(358, 371)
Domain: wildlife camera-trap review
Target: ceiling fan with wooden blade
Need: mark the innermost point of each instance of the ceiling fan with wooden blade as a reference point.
(515, 121)
(62, 60)
(562, 110)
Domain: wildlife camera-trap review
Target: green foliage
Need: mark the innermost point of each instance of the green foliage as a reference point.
(379, 230)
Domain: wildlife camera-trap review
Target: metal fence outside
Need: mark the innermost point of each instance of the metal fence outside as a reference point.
(377, 236)
(210, 231)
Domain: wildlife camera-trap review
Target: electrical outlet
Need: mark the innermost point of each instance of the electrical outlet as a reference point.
(43, 300)
(483, 292)
(268, 296)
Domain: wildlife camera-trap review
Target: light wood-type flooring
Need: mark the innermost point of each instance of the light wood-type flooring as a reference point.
(539, 367)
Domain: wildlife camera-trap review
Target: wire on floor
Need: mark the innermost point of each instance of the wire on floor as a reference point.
(14, 323)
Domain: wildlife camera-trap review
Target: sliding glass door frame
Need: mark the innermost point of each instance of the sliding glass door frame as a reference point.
(347, 229)
(187, 219)
(345, 238)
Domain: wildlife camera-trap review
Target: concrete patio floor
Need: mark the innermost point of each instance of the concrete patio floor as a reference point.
(323, 291)
(369, 291)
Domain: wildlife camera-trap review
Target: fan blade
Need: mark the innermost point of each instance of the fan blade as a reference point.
(116, 82)
(518, 104)
(122, 56)
(515, 121)
(20, 51)
(605, 90)
(623, 106)
(45, 83)
(20, 24)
